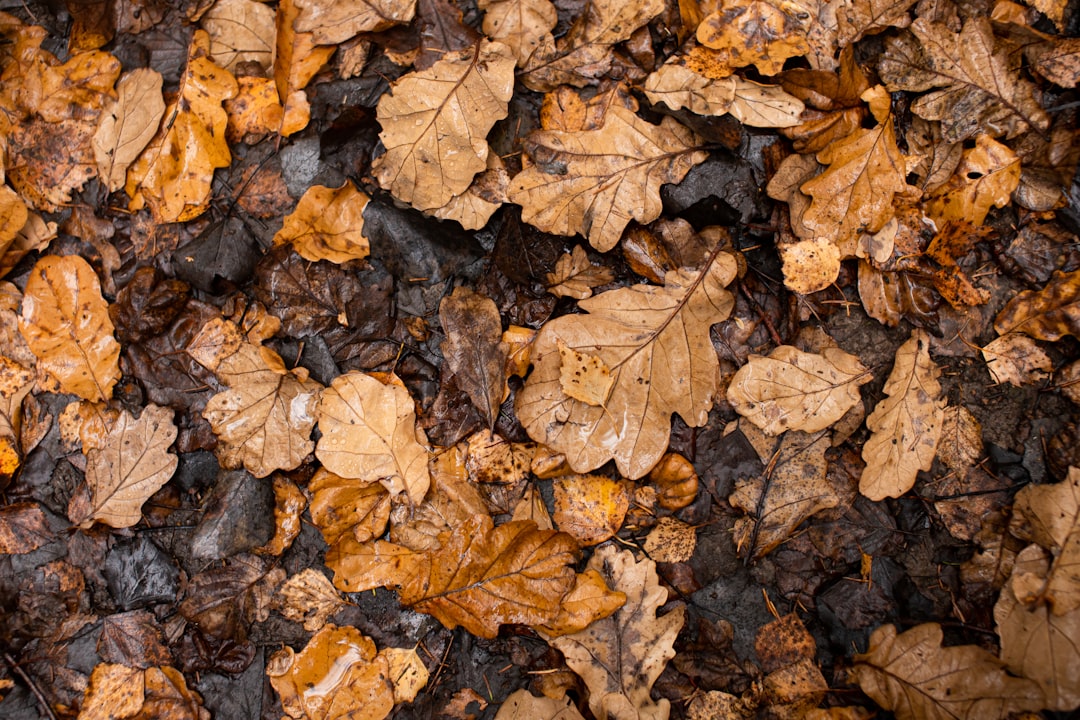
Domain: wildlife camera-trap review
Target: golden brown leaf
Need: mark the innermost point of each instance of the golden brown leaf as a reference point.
(675, 480)
(670, 541)
(473, 208)
(793, 390)
(369, 433)
(906, 425)
(131, 466)
(522, 705)
(240, 31)
(914, 677)
(753, 32)
(981, 93)
(869, 17)
(341, 506)
(264, 419)
(173, 174)
(677, 86)
(1047, 314)
(327, 224)
(435, 121)
(254, 112)
(65, 321)
(620, 657)
(169, 698)
(289, 502)
(590, 508)
(588, 600)
(127, 125)
(115, 691)
(575, 276)
(297, 58)
(1017, 360)
(518, 24)
(1058, 61)
(630, 330)
(338, 20)
(595, 182)
(986, 177)
(23, 528)
(16, 382)
(474, 350)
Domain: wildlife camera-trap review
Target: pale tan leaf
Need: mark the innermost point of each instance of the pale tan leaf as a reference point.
(218, 339)
(809, 265)
(264, 419)
(575, 276)
(766, 106)
(435, 121)
(1053, 512)
(310, 598)
(595, 182)
(473, 208)
(336, 21)
(369, 433)
(66, 324)
(126, 126)
(522, 705)
(406, 671)
(914, 677)
(583, 376)
(327, 224)
(670, 541)
(906, 425)
(131, 466)
(677, 86)
(474, 350)
(620, 657)
(656, 343)
(1016, 359)
(793, 390)
(518, 24)
(240, 31)
(869, 17)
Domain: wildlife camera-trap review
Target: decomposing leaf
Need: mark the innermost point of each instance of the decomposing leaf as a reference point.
(575, 276)
(334, 22)
(914, 677)
(868, 17)
(753, 32)
(310, 598)
(961, 443)
(327, 224)
(591, 508)
(264, 419)
(583, 377)
(594, 182)
(289, 503)
(794, 390)
(23, 528)
(173, 174)
(620, 657)
(126, 126)
(134, 639)
(369, 433)
(474, 350)
(1017, 360)
(435, 121)
(523, 705)
(227, 597)
(630, 330)
(981, 92)
(114, 691)
(131, 466)
(240, 31)
(65, 321)
(906, 425)
(518, 24)
(1053, 512)
(670, 541)
(1046, 314)
(986, 177)
(16, 382)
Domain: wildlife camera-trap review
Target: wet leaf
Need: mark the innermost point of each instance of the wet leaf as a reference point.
(473, 208)
(334, 22)
(620, 657)
(133, 639)
(906, 425)
(65, 321)
(518, 24)
(986, 177)
(793, 390)
(675, 480)
(327, 224)
(961, 444)
(590, 508)
(1017, 360)
(753, 32)
(264, 419)
(1046, 314)
(126, 126)
(670, 541)
(310, 598)
(226, 598)
(523, 705)
(474, 350)
(869, 17)
(369, 433)
(629, 330)
(341, 506)
(297, 58)
(593, 182)
(240, 31)
(913, 676)
(127, 469)
(115, 691)
(23, 528)
(575, 276)
(435, 121)
(1053, 512)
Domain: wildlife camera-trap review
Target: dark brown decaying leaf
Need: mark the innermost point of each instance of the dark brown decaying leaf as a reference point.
(1046, 314)
(474, 350)
(23, 528)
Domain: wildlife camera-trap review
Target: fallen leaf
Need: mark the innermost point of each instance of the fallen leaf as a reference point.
(575, 276)
(168, 696)
(677, 86)
(584, 377)
(794, 390)
(23, 528)
(518, 24)
(500, 468)
(809, 265)
(588, 600)
(1053, 512)
(857, 19)
(435, 121)
(1017, 360)
(670, 541)
(1047, 314)
(327, 224)
(906, 425)
(765, 106)
(369, 433)
(240, 31)
(961, 444)
(341, 506)
(127, 125)
(65, 321)
(630, 329)
(914, 677)
(474, 350)
(523, 705)
(675, 480)
(226, 598)
(297, 58)
(16, 382)
(753, 32)
(133, 639)
(590, 508)
(264, 419)
(255, 112)
(593, 182)
(335, 22)
(310, 598)
(981, 92)
(114, 691)
(132, 465)
(620, 657)
(473, 208)
(1058, 61)
(986, 177)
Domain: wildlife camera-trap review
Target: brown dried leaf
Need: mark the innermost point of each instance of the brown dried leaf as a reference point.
(369, 433)
(906, 425)
(65, 321)
(127, 125)
(986, 177)
(961, 444)
(981, 93)
(753, 32)
(473, 208)
(131, 466)
(869, 17)
(264, 419)
(590, 508)
(336, 21)
(1017, 360)
(327, 224)
(226, 598)
(630, 329)
(914, 677)
(1053, 512)
(765, 106)
(620, 657)
(677, 86)
(594, 182)
(169, 698)
(435, 121)
(522, 705)
(474, 350)
(584, 377)
(310, 598)
(670, 541)
(1047, 314)
(575, 276)
(240, 31)
(675, 480)
(588, 600)
(518, 24)
(23, 528)
(134, 639)
(115, 691)
(1058, 61)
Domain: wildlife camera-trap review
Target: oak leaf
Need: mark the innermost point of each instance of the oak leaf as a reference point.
(327, 224)
(986, 177)
(435, 121)
(753, 32)
(240, 31)
(523, 705)
(961, 444)
(869, 17)
(677, 86)
(335, 22)
(575, 276)
(66, 324)
(911, 675)
(631, 330)
(114, 691)
(132, 465)
(518, 24)
(264, 419)
(310, 598)
(127, 125)
(473, 208)
(595, 182)
(226, 598)
(767, 106)
(474, 350)
(1017, 360)
(369, 433)
(620, 657)
(794, 390)
(980, 90)
(1053, 513)
(906, 425)
(173, 174)
(1047, 314)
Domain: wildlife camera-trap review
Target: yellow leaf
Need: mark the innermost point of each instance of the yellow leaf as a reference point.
(65, 321)
(327, 224)
(114, 691)
(986, 177)
(127, 126)
(255, 111)
(590, 508)
(753, 32)
(297, 59)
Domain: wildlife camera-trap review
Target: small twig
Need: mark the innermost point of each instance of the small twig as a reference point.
(32, 685)
(761, 314)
